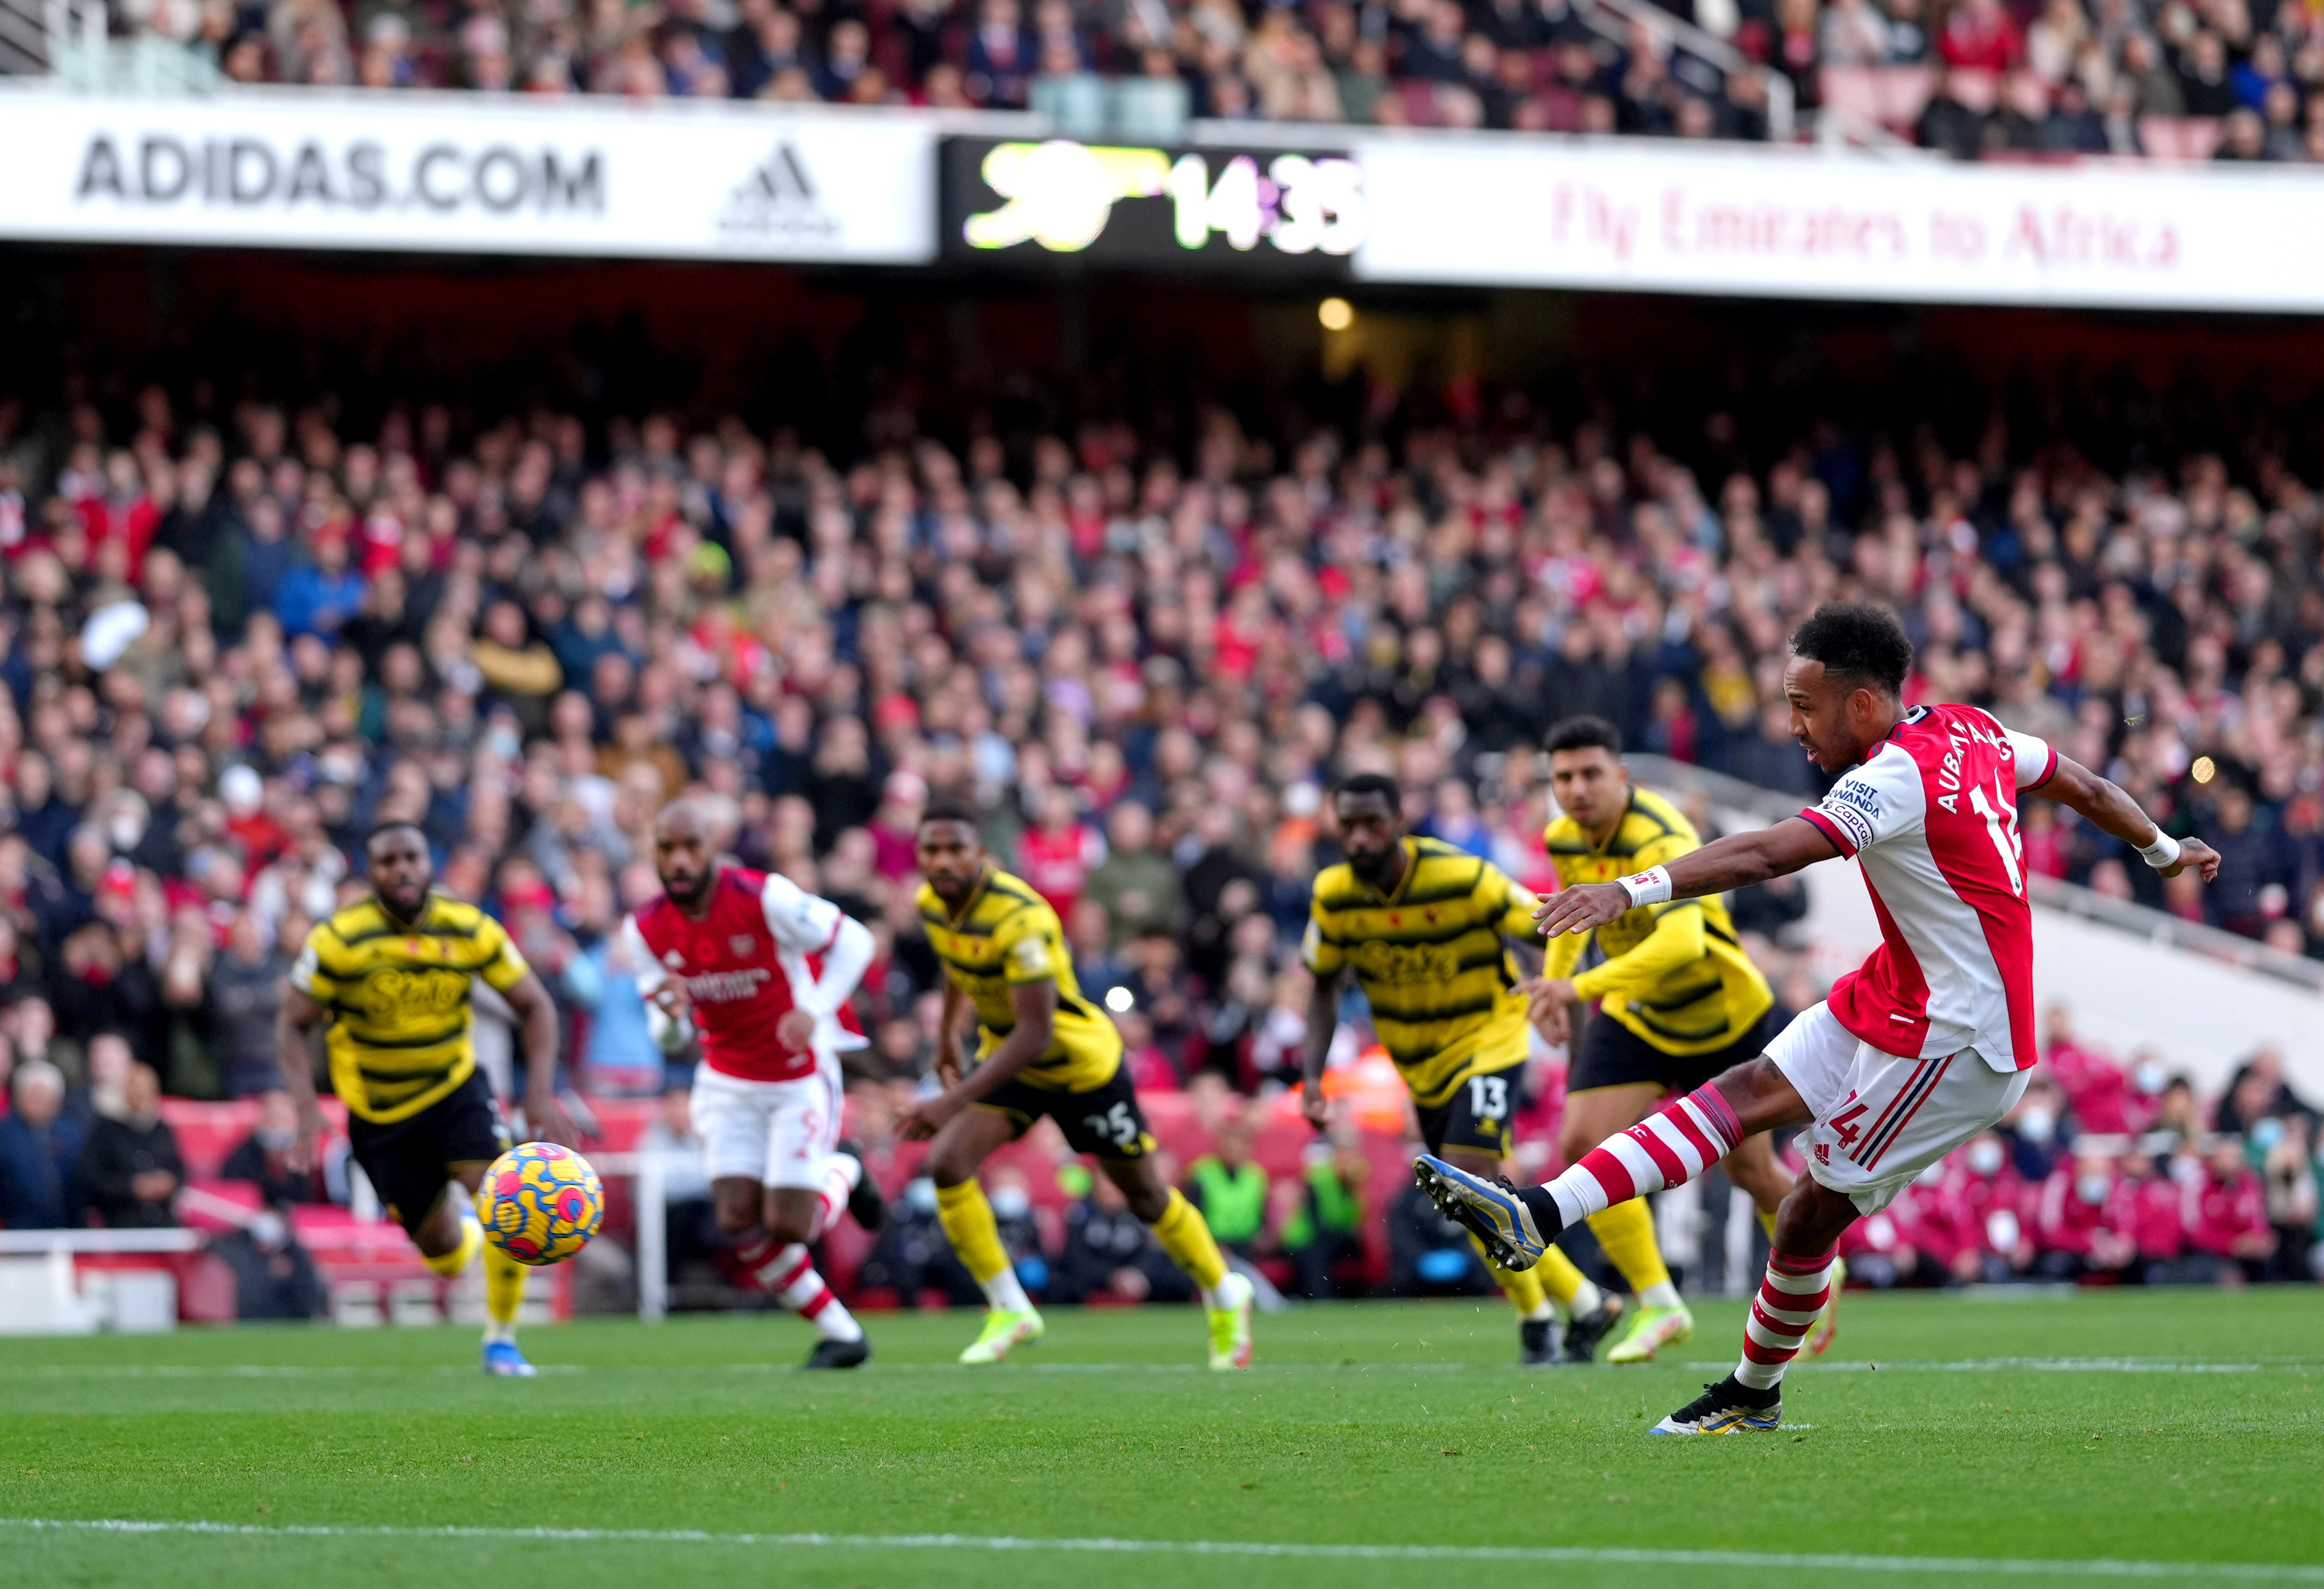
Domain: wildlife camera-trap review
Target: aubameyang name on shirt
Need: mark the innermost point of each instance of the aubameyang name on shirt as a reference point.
(1963, 732)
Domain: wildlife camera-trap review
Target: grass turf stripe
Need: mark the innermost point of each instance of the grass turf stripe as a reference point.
(1606, 1555)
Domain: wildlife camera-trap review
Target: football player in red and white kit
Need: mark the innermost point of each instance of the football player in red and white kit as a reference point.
(1922, 1047)
(762, 971)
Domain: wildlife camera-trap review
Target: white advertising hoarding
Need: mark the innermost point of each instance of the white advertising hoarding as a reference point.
(1658, 216)
(469, 173)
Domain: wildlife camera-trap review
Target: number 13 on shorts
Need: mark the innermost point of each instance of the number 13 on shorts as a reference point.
(1489, 1097)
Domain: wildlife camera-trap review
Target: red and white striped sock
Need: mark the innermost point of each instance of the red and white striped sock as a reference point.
(1786, 1309)
(787, 1270)
(1668, 1147)
(840, 1173)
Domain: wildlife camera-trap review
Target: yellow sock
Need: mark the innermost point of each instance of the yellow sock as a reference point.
(1522, 1287)
(452, 1265)
(1767, 1223)
(1626, 1233)
(1554, 1283)
(969, 1226)
(1187, 1238)
(504, 1294)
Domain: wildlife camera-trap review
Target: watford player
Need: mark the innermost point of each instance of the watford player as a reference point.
(1421, 924)
(1041, 1049)
(1679, 1001)
(391, 974)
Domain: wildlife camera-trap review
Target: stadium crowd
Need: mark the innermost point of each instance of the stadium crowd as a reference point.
(233, 637)
(2020, 78)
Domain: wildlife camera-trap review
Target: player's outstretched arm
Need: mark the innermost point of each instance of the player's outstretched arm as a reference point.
(2106, 804)
(542, 1112)
(294, 1053)
(1736, 860)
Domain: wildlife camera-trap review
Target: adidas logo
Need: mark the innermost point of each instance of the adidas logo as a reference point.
(776, 200)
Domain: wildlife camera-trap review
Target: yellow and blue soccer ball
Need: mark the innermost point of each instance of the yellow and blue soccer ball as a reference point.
(541, 1202)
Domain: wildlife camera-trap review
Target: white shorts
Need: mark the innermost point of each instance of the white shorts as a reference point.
(1880, 1120)
(775, 1132)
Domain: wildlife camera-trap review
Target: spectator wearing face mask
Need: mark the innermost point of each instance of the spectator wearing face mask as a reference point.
(2149, 1200)
(2083, 1230)
(263, 1158)
(132, 1169)
(2034, 1131)
(1978, 1222)
(2224, 1212)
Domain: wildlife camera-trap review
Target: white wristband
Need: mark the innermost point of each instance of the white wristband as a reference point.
(2162, 852)
(1650, 887)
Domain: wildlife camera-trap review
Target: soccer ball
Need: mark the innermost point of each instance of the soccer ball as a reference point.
(541, 1202)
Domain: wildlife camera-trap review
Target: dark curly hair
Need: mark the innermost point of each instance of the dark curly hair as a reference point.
(1860, 645)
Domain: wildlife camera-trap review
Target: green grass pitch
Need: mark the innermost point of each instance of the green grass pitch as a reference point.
(2046, 1437)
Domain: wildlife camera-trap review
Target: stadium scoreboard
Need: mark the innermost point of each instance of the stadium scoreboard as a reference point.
(1278, 212)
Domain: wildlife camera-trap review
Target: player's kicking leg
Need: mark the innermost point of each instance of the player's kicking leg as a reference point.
(966, 1140)
(1879, 1122)
(1470, 1128)
(1625, 1232)
(1545, 1294)
(1186, 1237)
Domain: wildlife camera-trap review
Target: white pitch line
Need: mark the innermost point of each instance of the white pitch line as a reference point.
(257, 1371)
(1770, 1561)
(2101, 1365)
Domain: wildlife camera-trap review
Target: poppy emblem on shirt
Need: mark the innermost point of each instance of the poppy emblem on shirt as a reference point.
(742, 943)
(1394, 919)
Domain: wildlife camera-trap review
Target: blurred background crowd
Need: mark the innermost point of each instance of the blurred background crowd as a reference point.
(238, 628)
(2230, 80)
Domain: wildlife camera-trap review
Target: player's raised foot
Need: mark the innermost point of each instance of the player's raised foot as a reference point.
(1826, 1324)
(503, 1361)
(1582, 1335)
(1537, 1342)
(1726, 1408)
(1004, 1329)
(866, 1205)
(1230, 1325)
(1491, 1209)
(830, 1354)
(1656, 1328)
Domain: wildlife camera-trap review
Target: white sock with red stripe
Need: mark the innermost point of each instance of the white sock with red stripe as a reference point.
(1789, 1301)
(1668, 1147)
(787, 1271)
(841, 1171)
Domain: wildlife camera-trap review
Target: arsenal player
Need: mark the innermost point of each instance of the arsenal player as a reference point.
(762, 971)
(1917, 1051)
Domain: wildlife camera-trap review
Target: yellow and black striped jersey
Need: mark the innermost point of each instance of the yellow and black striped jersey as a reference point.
(1006, 937)
(1675, 973)
(398, 999)
(1429, 957)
